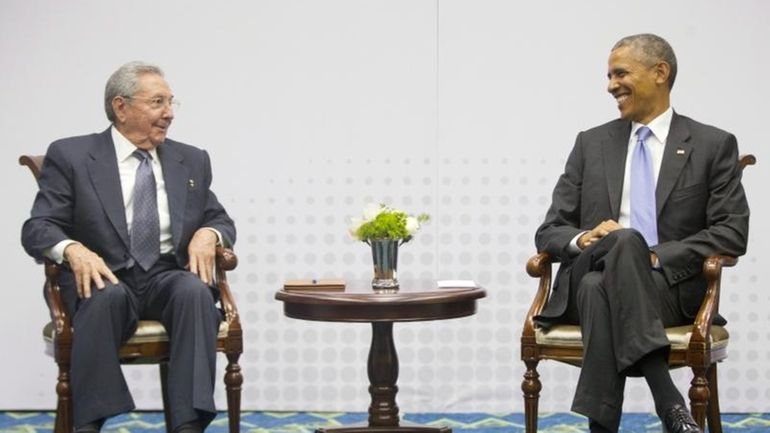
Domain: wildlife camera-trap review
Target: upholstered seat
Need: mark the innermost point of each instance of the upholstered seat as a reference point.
(678, 336)
(147, 331)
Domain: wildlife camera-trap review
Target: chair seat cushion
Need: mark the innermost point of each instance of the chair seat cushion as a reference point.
(679, 336)
(147, 331)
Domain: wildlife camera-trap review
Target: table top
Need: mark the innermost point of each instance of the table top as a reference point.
(362, 305)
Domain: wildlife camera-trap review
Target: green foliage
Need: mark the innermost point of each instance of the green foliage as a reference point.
(387, 225)
(383, 222)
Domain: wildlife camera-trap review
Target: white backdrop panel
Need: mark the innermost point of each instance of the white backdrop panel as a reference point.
(311, 109)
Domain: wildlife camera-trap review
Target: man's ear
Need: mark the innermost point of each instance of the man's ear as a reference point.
(662, 72)
(119, 106)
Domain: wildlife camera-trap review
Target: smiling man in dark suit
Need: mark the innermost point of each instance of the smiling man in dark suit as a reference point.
(130, 216)
(642, 201)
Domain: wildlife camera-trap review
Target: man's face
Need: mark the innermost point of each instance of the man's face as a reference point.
(144, 118)
(640, 89)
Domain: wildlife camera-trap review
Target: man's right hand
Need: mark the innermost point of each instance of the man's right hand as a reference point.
(598, 232)
(88, 268)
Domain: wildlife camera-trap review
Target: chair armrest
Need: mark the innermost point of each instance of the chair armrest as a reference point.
(59, 317)
(226, 260)
(56, 306)
(712, 272)
(539, 266)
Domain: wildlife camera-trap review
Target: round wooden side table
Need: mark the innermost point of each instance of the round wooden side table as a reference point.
(382, 310)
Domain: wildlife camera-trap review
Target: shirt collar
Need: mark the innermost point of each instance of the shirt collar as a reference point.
(124, 148)
(659, 125)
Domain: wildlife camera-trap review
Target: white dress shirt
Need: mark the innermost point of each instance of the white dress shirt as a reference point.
(656, 143)
(127, 165)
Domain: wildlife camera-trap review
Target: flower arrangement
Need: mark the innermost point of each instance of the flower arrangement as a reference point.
(384, 222)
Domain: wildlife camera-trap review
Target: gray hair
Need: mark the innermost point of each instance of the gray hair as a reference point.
(654, 49)
(125, 82)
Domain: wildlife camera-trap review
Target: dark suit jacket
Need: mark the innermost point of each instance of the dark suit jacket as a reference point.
(702, 208)
(80, 198)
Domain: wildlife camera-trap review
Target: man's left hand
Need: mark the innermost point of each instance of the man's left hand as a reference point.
(202, 250)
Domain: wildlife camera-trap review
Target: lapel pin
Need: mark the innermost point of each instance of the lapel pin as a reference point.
(191, 183)
(678, 152)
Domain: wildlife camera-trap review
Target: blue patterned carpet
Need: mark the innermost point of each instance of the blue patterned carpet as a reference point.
(307, 422)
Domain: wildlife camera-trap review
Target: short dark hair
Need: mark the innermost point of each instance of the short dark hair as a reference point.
(654, 49)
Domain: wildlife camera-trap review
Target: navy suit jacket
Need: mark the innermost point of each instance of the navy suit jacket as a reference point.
(80, 198)
(701, 205)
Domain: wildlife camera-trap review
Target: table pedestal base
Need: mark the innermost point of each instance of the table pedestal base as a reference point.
(383, 374)
(406, 428)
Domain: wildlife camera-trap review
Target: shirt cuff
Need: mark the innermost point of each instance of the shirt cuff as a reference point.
(220, 242)
(56, 252)
(656, 262)
(573, 247)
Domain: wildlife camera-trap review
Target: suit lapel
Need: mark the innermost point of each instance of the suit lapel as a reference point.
(675, 155)
(614, 150)
(175, 175)
(105, 178)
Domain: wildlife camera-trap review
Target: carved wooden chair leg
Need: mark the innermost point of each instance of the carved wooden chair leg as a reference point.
(233, 382)
(713, 414)
(699, 396)
(164, 391)
(64, 401)
(531, 386)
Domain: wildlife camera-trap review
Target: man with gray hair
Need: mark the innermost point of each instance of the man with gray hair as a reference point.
(643, 200)
(130, 217)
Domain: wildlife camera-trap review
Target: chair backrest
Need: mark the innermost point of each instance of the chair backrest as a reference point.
(747, 159)
(34, 163)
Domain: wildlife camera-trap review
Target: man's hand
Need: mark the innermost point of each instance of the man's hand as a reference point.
(598, 232)
(201, 250)
(88, 268)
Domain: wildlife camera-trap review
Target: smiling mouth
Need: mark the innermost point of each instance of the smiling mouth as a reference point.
(622, 99)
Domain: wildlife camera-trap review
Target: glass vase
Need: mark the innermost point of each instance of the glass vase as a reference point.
(385, 257)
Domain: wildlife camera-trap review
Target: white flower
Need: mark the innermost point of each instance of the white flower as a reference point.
(381, 221)
(372, 210)
(412, 225)
(355, 224)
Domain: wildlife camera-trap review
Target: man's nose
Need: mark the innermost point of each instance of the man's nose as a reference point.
(168, 111)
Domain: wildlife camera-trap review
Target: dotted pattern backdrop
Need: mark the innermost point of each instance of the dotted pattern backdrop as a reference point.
(484, 214)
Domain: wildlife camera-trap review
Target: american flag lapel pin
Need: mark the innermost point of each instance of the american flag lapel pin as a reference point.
(678, 152)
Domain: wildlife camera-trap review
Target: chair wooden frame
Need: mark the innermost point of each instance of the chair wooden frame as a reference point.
(153, 350)
(699, 346)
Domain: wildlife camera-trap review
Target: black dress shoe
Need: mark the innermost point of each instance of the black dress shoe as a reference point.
(91, 427)
(677, 419)
(595, 427)
(189, 427)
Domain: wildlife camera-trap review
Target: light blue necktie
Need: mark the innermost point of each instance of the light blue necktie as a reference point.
(643, 212)
(145, 227)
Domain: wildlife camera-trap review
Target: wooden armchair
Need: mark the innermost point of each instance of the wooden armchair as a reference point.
(149, 344)
(699, 346)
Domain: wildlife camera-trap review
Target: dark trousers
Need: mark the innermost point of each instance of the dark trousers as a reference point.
(175, 297)
(622, 306)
